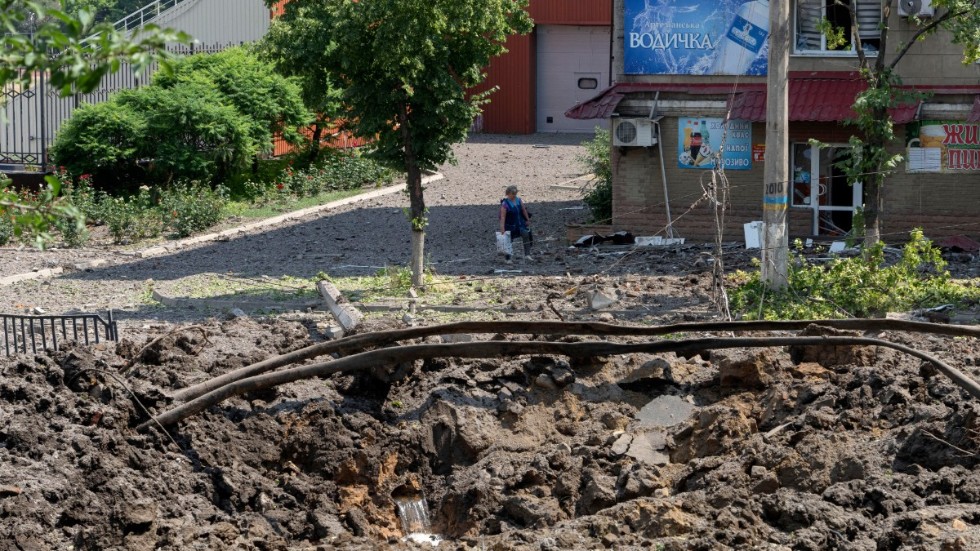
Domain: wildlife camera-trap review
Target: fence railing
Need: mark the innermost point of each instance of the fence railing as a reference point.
(31, 117)
(146, 14)
(28, 334)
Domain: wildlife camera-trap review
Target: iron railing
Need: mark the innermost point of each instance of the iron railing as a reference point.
(31, 117)
(23, 334)
(146, 14)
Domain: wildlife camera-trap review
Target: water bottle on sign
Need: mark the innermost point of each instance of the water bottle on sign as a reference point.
(744, 39)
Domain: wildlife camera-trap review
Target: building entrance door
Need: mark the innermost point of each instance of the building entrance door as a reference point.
(818, 184)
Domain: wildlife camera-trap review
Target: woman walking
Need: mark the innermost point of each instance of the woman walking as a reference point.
(515, 219)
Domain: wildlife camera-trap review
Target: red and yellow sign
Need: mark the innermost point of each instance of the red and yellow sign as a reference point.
(945, 146)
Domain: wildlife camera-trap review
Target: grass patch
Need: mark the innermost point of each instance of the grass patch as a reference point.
(248, 209)
(285, 288)
(393, 282)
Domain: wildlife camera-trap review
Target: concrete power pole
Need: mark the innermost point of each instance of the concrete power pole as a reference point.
(775, 199)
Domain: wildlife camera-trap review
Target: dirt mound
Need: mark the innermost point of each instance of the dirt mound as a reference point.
(767, 450)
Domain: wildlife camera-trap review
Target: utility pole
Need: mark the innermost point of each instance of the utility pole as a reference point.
(775, 199)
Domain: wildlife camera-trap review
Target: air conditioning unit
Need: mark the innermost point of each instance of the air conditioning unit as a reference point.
(633, 132)
(915, 8)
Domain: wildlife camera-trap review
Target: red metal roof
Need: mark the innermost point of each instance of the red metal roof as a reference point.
(814, 99)
(825, 97)
(975, 113)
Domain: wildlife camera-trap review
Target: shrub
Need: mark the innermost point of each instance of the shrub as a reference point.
(334, 171)
(189, 208)
(6, 229)
(73, 232)
(104, 140)
(596, 160)
(270, 102)
(84, 197)
(191, 134)
(132, 218)
(860, 287)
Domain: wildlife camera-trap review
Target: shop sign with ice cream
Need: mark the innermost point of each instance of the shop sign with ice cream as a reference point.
(702, 141)
(944, 146)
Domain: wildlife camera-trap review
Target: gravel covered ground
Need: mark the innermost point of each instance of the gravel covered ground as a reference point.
(352, 240)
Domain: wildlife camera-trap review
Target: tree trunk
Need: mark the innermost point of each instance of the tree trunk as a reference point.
(872, 213)
(315, 141)
(873, 187)
(418, 221)
(416, 200)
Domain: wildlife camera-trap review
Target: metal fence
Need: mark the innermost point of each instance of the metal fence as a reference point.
(31, 117)
(145, 15)
(23, 334)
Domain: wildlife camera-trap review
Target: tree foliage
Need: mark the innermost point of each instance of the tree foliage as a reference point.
(204, 120)
(870, 161)
(75, 52)
(406, 67)
(296, 42)
(270, 103)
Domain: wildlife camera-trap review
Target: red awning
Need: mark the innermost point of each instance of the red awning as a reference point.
(604, 104)
(975, 113)
(812, 97)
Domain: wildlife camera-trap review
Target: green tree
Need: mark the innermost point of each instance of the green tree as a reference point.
(406, 67)
(870, 161)
(296, 43)
(75, 53)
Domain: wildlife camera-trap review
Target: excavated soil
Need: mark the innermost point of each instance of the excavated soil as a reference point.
(746, 449)
(765, 449)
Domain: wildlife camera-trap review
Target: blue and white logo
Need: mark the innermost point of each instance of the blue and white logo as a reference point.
(688, 37)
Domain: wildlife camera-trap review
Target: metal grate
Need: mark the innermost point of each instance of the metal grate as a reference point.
(23, 334)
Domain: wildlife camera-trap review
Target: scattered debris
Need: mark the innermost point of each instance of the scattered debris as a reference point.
(237, 313)
(344, 312)
(959, 244)
(599, 300)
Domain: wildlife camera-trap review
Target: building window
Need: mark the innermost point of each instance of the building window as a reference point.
(811, 13)
(588, 83)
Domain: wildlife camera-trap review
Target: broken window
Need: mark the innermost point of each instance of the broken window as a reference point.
(813, 16)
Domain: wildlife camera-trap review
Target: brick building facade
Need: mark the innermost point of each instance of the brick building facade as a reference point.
(937, 188)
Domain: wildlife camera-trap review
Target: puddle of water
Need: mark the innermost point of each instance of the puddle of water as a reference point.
(414, 514)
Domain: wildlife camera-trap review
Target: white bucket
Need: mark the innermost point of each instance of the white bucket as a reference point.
(753, 234)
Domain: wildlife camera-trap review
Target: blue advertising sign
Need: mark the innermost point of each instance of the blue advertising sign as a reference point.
(700, 138)
(696, 37)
